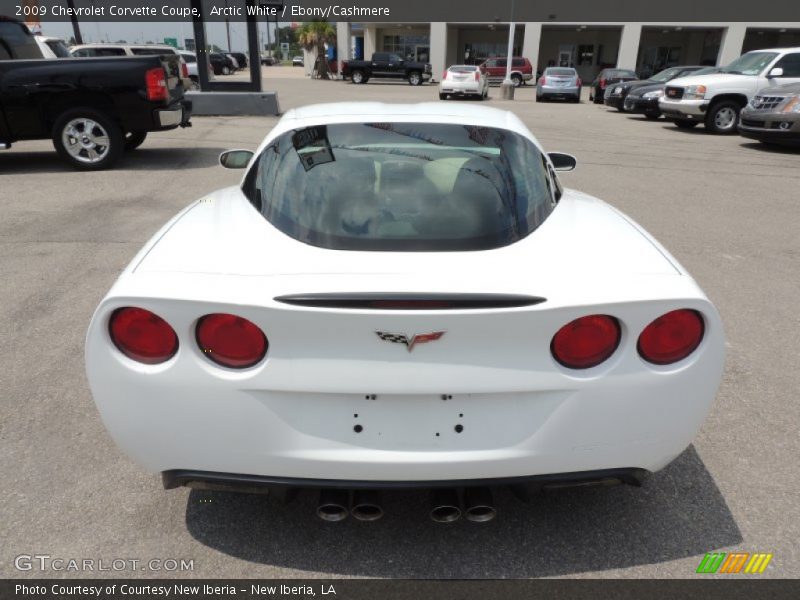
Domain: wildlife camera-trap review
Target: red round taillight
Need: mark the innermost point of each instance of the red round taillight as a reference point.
(231, 341)
(142, 336)
(586, 342)
(671, 337)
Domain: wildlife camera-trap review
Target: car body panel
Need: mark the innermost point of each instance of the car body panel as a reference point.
(773, 115)
(495, 68)
(723, 84)
(619, 92)
(556, 83)
(464, 83)
(491, 371)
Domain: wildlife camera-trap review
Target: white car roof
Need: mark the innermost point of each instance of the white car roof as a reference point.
(112, 45)
(795, 49)
(424, 112)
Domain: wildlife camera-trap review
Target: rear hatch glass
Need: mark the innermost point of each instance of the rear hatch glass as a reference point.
(402, 186)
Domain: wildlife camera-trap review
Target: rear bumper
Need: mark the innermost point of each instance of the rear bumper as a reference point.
(207, 480)
(460, 88)
(545, 91)
(178, 115)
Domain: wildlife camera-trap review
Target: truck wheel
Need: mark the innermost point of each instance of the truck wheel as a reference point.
(415, 78)
(226, 70)
(516, 80)
(723, 116)
(88, 139)
(357, 77)
(685, 123)
(134, 139)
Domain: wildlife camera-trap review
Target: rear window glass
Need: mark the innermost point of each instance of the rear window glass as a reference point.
(463, 69)
(621, 73)
(59, 48)
(16, 42)
(560, 72)
(402, 186)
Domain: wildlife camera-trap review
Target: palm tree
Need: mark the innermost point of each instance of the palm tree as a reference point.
(313, 36)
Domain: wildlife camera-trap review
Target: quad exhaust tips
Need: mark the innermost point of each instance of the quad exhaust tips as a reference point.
(366, 505)
(445, 507)
(332, 505)
(479, 505)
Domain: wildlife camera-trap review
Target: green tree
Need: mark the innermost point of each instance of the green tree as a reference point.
(313, 36)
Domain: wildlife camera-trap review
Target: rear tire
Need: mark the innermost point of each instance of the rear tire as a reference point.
(358, 77)
(597, 99)
(415, 78)
(723, 117)
(88, 139)
(516, 80)
(134, 139)
(685, 124)
(226, 70)
(442, 96)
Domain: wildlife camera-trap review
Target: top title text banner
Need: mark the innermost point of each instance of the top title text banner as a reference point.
(405, 11)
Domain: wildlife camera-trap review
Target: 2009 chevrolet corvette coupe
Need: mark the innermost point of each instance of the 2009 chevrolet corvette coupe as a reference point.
(402, 296)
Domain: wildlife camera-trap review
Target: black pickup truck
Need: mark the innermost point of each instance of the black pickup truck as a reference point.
(92, 108)
(386, 65)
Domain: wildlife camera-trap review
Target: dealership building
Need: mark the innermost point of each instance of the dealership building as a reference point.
(589, 47)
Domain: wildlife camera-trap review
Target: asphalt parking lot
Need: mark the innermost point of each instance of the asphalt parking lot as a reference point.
(726, 207)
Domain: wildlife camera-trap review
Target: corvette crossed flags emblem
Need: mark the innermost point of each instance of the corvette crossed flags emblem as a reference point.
(410, 342)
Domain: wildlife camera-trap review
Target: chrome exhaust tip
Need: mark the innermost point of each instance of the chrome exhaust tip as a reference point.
(366, 505)
(479, 505)
(332, 505)
(445, 507)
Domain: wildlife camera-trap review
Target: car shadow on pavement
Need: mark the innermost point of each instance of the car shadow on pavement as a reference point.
(151, 159)
(771, 148)
(679, 512)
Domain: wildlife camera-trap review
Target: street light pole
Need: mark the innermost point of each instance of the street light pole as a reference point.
(508, 86)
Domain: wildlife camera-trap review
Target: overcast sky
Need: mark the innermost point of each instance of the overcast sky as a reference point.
(156, 32)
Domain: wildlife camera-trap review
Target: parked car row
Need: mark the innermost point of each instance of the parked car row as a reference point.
(757, 95)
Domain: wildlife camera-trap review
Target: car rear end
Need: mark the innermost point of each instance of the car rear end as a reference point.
(311, 377)
(461, 80)
(351, 362)
(773, 116)
(559, 83)
(165, 92)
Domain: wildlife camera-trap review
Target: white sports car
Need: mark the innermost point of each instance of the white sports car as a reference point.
(402, 296)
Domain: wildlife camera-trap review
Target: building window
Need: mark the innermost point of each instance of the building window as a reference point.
(410, 47)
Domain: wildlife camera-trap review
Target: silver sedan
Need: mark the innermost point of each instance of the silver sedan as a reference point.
(559, 82)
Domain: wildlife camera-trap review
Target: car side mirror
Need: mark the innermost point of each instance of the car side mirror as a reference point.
(563, 162)
(235, 159)
(776, 72)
